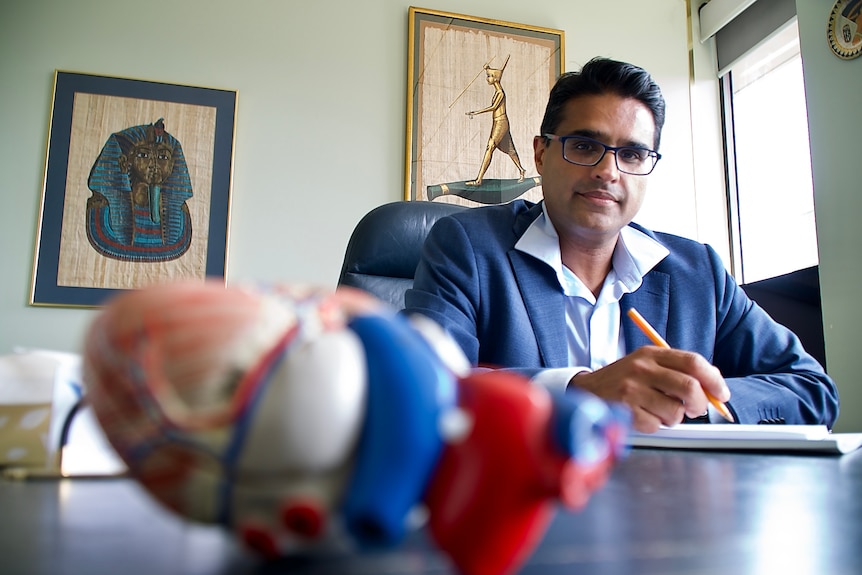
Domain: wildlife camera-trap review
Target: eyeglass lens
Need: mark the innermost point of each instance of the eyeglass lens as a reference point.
(588, 152)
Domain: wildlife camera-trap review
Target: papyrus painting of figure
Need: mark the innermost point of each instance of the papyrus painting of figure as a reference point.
(477, 93)
(140, 184)
(492, 191)
(138, 192)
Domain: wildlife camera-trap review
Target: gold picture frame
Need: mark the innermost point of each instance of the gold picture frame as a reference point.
(461, 146)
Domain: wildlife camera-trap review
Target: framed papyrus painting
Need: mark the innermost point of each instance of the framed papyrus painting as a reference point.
(477, 90)
(137, 187)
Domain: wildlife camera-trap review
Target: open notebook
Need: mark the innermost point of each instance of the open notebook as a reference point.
(735, 437)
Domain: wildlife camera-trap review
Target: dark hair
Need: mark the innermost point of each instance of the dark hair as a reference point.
(603, 76)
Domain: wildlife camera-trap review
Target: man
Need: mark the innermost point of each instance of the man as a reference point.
(544, 288)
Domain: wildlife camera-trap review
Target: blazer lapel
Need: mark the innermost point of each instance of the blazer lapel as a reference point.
(652, 300)
(542, 296)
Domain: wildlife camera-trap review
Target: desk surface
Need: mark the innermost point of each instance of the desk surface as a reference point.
(662, 512)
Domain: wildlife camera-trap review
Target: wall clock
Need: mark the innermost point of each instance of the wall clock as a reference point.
(845, 29)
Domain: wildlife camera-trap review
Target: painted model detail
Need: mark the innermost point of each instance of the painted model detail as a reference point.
(302, 419)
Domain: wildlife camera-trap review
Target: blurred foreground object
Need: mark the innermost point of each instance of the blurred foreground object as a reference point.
(310, 420)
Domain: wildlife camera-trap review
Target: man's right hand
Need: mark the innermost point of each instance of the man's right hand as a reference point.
(659, 385)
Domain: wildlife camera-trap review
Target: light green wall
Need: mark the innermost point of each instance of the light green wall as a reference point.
(306, 73)
(309, 71)
(833, 87)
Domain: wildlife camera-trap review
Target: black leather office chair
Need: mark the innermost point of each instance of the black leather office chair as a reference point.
(793, 300)
(384, 249)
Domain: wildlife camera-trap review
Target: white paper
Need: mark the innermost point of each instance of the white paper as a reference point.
(735, 437)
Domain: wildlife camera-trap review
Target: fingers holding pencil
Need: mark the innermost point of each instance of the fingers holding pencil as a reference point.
(658, 340)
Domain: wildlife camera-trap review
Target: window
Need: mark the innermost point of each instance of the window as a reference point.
(771, 192)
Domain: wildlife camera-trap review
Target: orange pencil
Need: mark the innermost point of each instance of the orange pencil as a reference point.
(659, 341)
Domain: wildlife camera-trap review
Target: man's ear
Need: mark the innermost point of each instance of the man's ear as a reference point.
(123, 162)
(539, 147)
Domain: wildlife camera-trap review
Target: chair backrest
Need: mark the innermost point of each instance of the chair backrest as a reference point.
(793, 300)
(385, 247)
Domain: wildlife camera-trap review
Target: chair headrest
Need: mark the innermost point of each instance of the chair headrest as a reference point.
(388, 240)
(384, 249)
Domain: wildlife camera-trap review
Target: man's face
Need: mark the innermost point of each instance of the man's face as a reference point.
(151, 163)
(589, 205)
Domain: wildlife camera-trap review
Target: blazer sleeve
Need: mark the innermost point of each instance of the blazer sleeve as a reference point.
(770, 375)
(445, 286)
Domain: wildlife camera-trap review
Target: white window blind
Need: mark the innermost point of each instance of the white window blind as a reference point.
(741, 25)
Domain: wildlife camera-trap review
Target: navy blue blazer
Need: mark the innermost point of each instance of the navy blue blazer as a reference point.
(506, 309)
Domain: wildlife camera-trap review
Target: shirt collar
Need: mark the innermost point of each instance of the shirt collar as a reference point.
(634, 256)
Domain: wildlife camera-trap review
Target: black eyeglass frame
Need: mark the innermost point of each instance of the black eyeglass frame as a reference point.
(562, 140)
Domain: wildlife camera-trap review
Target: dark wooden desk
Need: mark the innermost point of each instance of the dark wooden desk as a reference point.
(663, 512)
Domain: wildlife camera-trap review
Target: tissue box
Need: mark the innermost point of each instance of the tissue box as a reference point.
(42, 419)
(23, 429)
(26, 400)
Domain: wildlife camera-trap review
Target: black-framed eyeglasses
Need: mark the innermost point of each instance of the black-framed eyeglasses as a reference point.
(583, 151)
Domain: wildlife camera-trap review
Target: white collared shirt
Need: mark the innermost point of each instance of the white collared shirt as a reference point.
(593, 338)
